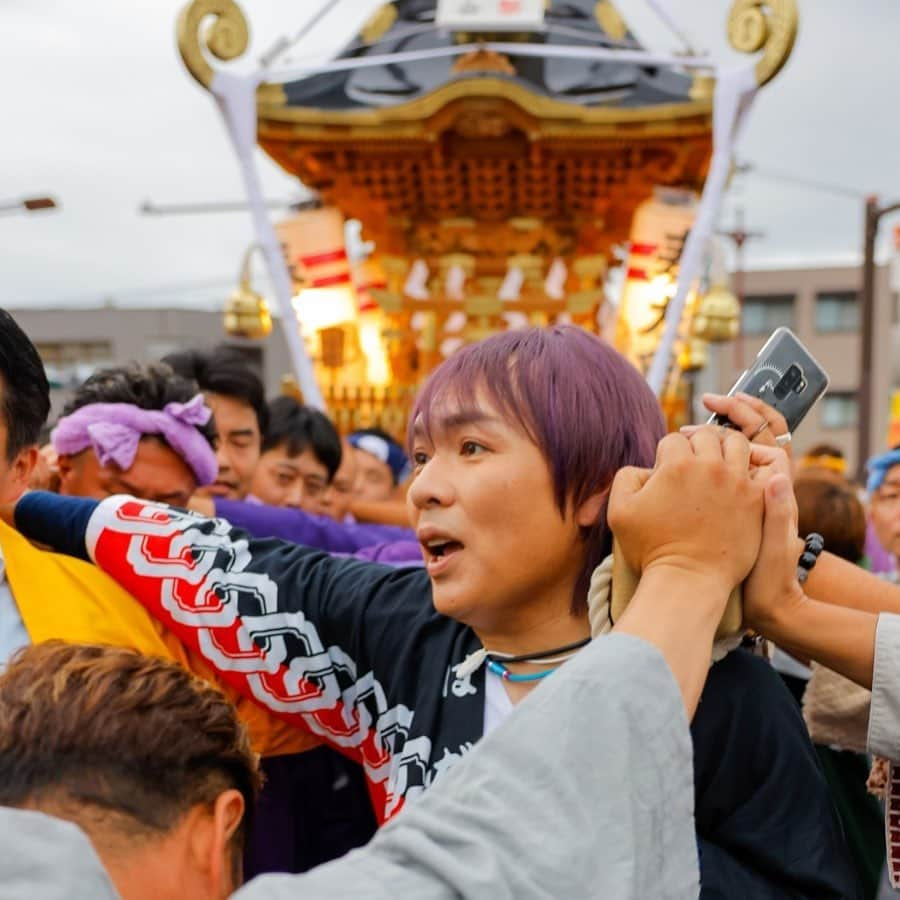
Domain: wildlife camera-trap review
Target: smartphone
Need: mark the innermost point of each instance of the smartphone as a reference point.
(784, 375)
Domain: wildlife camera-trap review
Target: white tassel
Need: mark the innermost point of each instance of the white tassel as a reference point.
(417, 282)
(512, 284)
(555, 282)
(455, 283)
(472, 663)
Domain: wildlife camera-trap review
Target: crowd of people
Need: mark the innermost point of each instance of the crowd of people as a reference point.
(242, 653)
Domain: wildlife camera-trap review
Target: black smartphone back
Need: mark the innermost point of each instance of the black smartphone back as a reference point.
(785, 375)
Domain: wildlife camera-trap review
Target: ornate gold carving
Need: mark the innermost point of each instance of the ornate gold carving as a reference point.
(767, 25)
(226, 38)
(484, 61)
(703, 86)
(610, 20)
(379, 23)
(547, 109)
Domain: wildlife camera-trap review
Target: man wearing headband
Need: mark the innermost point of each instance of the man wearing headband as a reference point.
(381, 465)
(135, 430)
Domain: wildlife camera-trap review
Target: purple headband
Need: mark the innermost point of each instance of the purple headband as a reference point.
(114, 430)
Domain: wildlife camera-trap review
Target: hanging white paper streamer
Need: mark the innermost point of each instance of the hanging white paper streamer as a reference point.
(236, 99)
(735, 90)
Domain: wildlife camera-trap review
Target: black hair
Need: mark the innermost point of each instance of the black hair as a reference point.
(225, 371)
(298, 427)
(26, 392)
(147, 387)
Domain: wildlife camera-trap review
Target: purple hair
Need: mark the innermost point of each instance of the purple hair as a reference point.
(584, 406)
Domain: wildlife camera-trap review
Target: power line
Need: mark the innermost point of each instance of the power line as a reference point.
(800, 181)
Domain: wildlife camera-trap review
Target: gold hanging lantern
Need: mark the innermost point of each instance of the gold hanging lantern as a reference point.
(718, 315)
(247, 313)
(694, 355)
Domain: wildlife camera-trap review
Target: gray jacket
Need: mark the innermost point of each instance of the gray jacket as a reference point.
(585, 791)
(42, 858)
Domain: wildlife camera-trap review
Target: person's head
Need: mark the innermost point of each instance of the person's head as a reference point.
(833, 509)
(25, 405)
(148, 760)
(235, 394)
(132, 429)
(338, 496)
(381, 464)
(515, 443)
(884, 499)
(824, 458)
(301, 452)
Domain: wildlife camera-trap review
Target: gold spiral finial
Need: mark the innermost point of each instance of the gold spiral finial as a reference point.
(225, 38)
(767, 25)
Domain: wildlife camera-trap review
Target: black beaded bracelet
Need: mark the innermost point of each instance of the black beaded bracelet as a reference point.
(812, 547)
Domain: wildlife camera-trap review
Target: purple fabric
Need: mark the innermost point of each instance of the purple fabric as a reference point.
(300, 527)
(114, 430)
(880, 561)
(393, 553)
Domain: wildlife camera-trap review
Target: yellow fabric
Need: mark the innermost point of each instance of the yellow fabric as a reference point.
(66, 599)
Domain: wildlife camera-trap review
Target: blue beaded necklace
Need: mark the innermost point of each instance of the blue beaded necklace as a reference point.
(499, 669)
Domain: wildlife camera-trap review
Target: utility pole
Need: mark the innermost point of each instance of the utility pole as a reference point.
(873, 216)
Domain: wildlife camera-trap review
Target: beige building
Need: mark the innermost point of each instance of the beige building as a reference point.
(821, 306)
(74, 342)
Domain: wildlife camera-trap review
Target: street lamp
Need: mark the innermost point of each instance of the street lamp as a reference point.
(28, 204)
(873, 215)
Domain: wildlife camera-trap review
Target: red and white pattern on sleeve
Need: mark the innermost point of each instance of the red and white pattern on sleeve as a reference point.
(190, 574)
(892, 824)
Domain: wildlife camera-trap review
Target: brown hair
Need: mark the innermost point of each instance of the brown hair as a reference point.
(103, 730)
(832, 508)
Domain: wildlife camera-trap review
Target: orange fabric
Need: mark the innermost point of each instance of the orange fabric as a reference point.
(66, 599)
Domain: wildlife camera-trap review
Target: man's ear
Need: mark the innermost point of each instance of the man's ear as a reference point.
(589, 511)
(20, 472)
(225, 859)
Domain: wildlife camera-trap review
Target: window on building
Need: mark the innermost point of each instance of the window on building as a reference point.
(837, 311)
(763, 313)
(69, 363)
(840, 410)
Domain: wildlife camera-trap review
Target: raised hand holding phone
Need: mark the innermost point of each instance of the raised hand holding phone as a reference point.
(771, 398)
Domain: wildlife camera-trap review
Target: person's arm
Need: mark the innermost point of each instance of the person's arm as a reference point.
(287, 626)
(301, 527)
(839, 633)
(584, 791)
(386, 512)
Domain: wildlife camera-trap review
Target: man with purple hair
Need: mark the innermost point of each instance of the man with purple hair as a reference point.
(515, 443)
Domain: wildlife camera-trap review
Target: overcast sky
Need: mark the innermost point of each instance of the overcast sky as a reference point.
(99, 112)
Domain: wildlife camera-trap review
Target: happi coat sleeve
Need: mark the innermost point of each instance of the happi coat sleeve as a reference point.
(333, 646)
(584, 791)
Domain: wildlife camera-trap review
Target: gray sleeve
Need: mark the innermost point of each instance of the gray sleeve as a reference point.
(585, 791)
(884, 716)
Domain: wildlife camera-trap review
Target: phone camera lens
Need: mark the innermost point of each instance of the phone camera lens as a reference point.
(792, 381)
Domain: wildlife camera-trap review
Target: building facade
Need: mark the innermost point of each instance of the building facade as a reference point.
(75, 342)
(821, 306)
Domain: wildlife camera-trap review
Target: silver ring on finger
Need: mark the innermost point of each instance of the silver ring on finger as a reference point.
(782, 440)
(763, 426)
